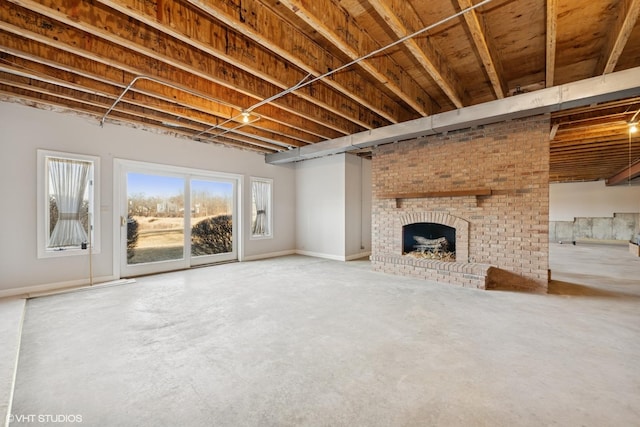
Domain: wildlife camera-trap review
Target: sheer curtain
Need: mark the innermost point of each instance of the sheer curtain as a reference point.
(68, 181)
(261, 192)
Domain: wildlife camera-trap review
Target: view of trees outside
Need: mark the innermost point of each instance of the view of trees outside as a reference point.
(155, 225)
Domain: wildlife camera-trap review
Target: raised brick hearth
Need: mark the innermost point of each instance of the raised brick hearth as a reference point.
(489, 183)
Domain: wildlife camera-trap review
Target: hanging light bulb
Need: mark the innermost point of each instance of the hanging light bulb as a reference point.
(245, 117)
(633, 127)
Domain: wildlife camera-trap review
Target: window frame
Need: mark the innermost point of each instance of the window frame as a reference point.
(269, 210)
(43, 205)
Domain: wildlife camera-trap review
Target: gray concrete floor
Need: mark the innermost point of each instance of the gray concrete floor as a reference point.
(11, 317)
(303, 341)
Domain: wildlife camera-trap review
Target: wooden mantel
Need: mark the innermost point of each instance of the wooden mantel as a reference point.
(432, 194)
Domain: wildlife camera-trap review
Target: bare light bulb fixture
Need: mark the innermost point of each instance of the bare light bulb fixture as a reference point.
(245, 117)
(633, 127)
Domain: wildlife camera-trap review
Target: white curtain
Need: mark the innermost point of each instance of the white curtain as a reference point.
(261, 193)
(68, 181)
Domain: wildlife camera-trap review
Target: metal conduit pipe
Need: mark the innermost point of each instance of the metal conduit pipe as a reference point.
(195, 137)
(302, 83)
(153, 79)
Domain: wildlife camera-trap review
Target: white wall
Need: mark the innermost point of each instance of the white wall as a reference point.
(333, 204)
(25, 129)
(358, 206)
(320, 207)
(591, 199)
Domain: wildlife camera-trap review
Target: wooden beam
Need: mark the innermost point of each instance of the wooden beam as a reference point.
(143, 113)
(38, 75)
(431, 194)
(195, 28)
(482, 44)
(146, 51)
(341, 31)
(73, 104)
(66, 38)
(265, 27)
(618, 36)
(402, 19)
(551, 35)
(593, 109)
(40, 59)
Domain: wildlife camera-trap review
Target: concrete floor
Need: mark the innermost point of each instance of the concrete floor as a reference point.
(304, 341)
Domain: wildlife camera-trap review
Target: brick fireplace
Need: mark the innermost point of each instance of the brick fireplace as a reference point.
(489, 184)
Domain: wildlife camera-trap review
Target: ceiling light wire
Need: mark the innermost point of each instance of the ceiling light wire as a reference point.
(153, 79)
(302, 83)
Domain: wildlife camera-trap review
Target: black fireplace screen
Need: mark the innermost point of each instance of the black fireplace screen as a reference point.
(428, 236)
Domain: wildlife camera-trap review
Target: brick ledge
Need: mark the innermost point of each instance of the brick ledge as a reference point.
(457, 273)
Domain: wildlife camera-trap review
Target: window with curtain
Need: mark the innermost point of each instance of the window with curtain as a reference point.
(261, 217)
(67, 198)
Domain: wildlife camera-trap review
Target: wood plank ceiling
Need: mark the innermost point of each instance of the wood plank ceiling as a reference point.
(295, 68)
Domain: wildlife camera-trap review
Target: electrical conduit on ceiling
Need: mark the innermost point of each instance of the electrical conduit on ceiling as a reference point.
(304, 82)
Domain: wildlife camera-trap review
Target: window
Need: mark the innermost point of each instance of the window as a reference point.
(261, 218)
(67, 198)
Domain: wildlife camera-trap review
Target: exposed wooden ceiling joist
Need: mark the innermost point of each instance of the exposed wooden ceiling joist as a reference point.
(403, 20)
(192, 27)
(341, 31)
(165, 57)
(552, 28)
(291, 44)
(487, 53)
(624, 176)
(627, 17)
(201, 62)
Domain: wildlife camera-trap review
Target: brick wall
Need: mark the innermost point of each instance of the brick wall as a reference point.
(508, 230)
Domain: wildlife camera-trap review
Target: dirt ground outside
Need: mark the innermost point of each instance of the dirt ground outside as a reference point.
(160, 239)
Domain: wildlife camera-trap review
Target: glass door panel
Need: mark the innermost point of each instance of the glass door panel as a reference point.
(172, 218)
(212, 223)
(155, 223)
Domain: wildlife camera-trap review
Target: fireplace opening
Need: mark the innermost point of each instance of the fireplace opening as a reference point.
(429, 240)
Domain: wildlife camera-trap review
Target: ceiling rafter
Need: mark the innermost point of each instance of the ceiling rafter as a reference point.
(87, 109)
(625, 21)
(197, 64)
(630, 172)
(294, 46)
(551, 37)
(341, 31)
(593, 110)
(170, 111)
(66, 38)
(401, 18)
(153, 115)
(151, 93)
(102, 73)
(483, 46)
(192, 27)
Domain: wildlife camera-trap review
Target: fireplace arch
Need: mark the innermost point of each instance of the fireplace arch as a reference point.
(460, 225)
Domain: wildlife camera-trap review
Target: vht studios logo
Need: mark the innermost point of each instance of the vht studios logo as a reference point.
(44, 418)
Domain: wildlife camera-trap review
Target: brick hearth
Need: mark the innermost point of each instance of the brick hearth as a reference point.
(489, 183)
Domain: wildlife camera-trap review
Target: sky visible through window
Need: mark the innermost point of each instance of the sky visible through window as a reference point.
(168, 186)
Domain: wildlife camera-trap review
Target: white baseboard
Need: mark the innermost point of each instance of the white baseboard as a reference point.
(321, 255)
(333, 257)
(358, 256)
(268, 255)
(27, 291)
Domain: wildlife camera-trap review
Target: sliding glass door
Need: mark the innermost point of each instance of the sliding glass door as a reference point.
(174, 218)
(212, 220)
